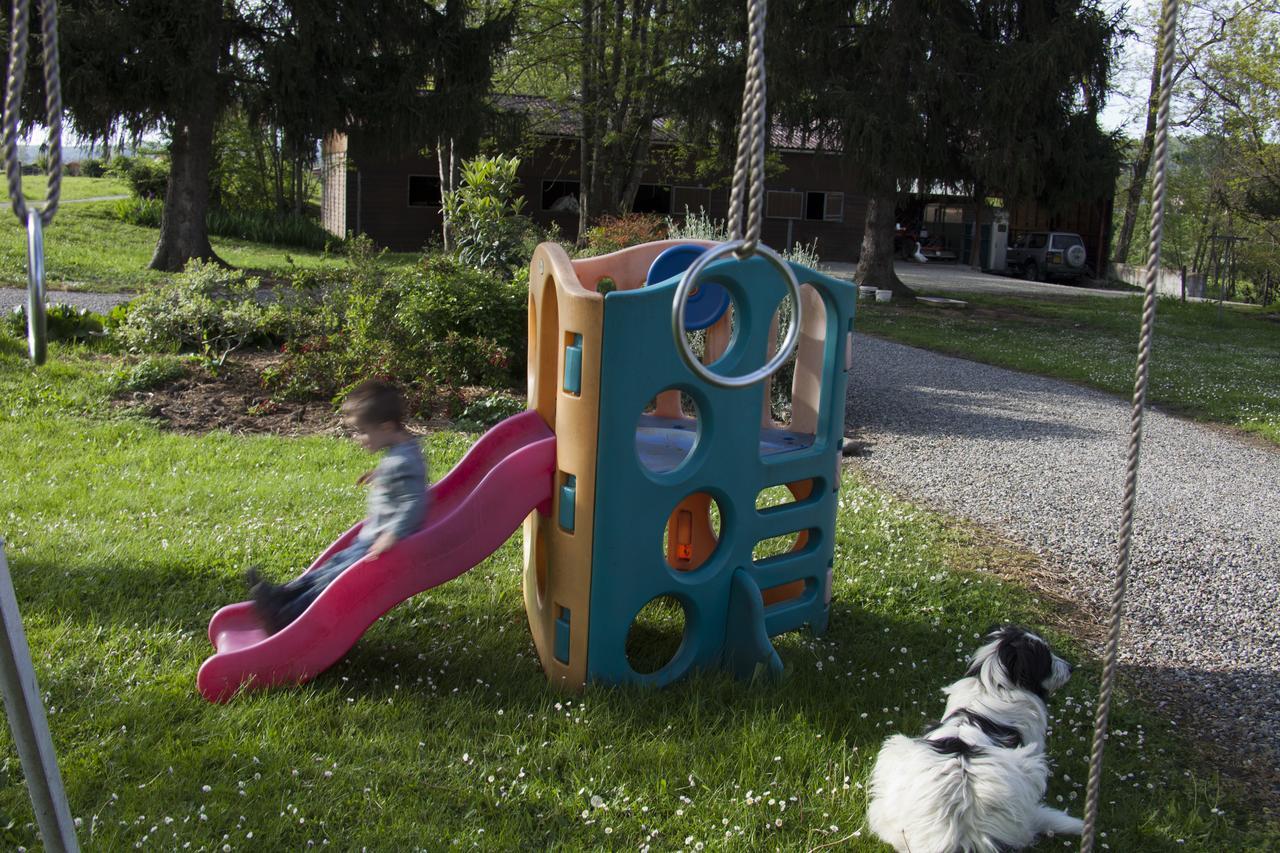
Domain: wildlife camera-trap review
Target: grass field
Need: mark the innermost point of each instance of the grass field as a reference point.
(86, 247)
(439, 729)
(36, 187)
(1225, 370)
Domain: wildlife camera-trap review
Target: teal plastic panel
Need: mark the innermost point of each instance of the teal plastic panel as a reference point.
(573, 366)
(729, 458)
(568, 502)
(562, 636)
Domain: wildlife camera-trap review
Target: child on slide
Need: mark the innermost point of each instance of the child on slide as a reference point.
(374, 412)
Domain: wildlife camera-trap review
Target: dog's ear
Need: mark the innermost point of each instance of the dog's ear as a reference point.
(1026, 659)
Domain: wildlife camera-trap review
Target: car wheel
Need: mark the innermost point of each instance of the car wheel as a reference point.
(1030, 271)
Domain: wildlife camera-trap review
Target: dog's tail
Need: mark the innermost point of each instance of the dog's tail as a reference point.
(1059, 823)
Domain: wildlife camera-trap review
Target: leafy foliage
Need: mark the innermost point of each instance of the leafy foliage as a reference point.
(147, 177)
(488, 411)
(206, 309)
(486, 217)
(63, 322)
(443, 325)
(612, 233)
(150, 372)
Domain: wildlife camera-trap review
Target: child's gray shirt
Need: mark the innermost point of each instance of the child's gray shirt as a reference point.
(397, 493)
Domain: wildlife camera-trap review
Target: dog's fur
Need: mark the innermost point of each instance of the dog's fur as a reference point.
(974, 782)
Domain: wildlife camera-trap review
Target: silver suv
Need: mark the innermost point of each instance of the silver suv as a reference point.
(1036, 255)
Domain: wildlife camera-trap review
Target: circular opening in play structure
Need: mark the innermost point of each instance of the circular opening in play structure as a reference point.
(710, 342)
(667, 431)
(692, 533)
(656, 634)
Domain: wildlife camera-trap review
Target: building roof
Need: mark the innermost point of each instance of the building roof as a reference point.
(549, 117)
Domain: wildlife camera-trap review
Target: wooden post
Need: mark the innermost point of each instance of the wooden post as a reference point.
(1184, 282)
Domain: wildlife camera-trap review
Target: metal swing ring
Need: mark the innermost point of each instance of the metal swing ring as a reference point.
(689, 280)
(37, 321)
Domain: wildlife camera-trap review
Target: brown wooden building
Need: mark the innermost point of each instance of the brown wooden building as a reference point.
(813, 199)
(396, 202)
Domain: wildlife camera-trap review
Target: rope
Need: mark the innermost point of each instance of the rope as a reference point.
(21, 27)
(1124, 541)
(748, 169)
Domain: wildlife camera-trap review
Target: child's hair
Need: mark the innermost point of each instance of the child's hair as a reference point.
(374, 401)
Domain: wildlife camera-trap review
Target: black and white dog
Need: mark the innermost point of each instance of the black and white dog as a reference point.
(974, 783)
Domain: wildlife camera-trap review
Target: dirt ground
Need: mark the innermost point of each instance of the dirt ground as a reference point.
(233, 399)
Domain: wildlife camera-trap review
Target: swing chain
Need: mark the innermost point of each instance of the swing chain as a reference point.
(1124, 539)
(746, 202)
(35, 219)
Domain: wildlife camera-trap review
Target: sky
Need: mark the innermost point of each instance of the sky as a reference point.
(1130, 82)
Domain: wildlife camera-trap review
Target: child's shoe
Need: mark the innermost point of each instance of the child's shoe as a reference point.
(264, 596)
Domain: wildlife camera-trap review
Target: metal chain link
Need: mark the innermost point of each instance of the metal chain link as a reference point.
(1124, 540)
(20, 27)
(748, 170)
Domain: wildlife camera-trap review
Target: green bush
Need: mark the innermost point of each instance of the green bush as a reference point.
(205, 309)
(62, 322)
(444, 325)
(265, 226)
(151, 372)
(93, 168)
(147, 177)
(488, 411)
(260, 226)
(144, 212)
(613, 233)
(485, 215)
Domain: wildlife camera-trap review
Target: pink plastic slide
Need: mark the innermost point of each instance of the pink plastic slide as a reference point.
(506, 475)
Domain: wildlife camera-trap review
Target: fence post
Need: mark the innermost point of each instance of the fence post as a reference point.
(25, 709)
(1184, 282)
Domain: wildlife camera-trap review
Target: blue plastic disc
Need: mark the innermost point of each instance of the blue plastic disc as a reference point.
(707, 303)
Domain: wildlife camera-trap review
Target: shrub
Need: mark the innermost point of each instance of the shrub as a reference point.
(260, 226)
(151, 372)
(445, 324)
(205, 308)
(62, 322)
(612, 233)
(264, 226)
(488, 411)
(485, 215)
(147, 177)
(93, 168)
(145, 212)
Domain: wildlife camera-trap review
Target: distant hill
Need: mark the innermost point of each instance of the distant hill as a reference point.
(70, 153)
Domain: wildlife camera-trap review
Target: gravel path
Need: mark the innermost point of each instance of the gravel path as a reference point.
(99, 302)
(1042, 461)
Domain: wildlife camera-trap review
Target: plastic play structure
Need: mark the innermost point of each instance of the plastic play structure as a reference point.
(605, 461)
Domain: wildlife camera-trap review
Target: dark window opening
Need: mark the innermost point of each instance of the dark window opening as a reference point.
(652, 198)
(561, 196)
(815, 206)
(424, 191)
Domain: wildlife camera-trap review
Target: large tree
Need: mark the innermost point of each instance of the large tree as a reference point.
(398, 70)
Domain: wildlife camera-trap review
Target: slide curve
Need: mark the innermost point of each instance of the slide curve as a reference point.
(506, 475)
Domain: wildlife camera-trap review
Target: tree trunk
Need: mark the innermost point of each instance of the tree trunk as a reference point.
(184, 233)
(1138, 181)
(875, 263)
(979, 216)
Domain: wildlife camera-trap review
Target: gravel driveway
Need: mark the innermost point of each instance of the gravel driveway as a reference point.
(1042, 460)
(99, 302)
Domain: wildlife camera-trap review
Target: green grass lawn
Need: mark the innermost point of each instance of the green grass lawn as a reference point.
(86, 247)
(37, 186)
(1225, 370)
(439, 728)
